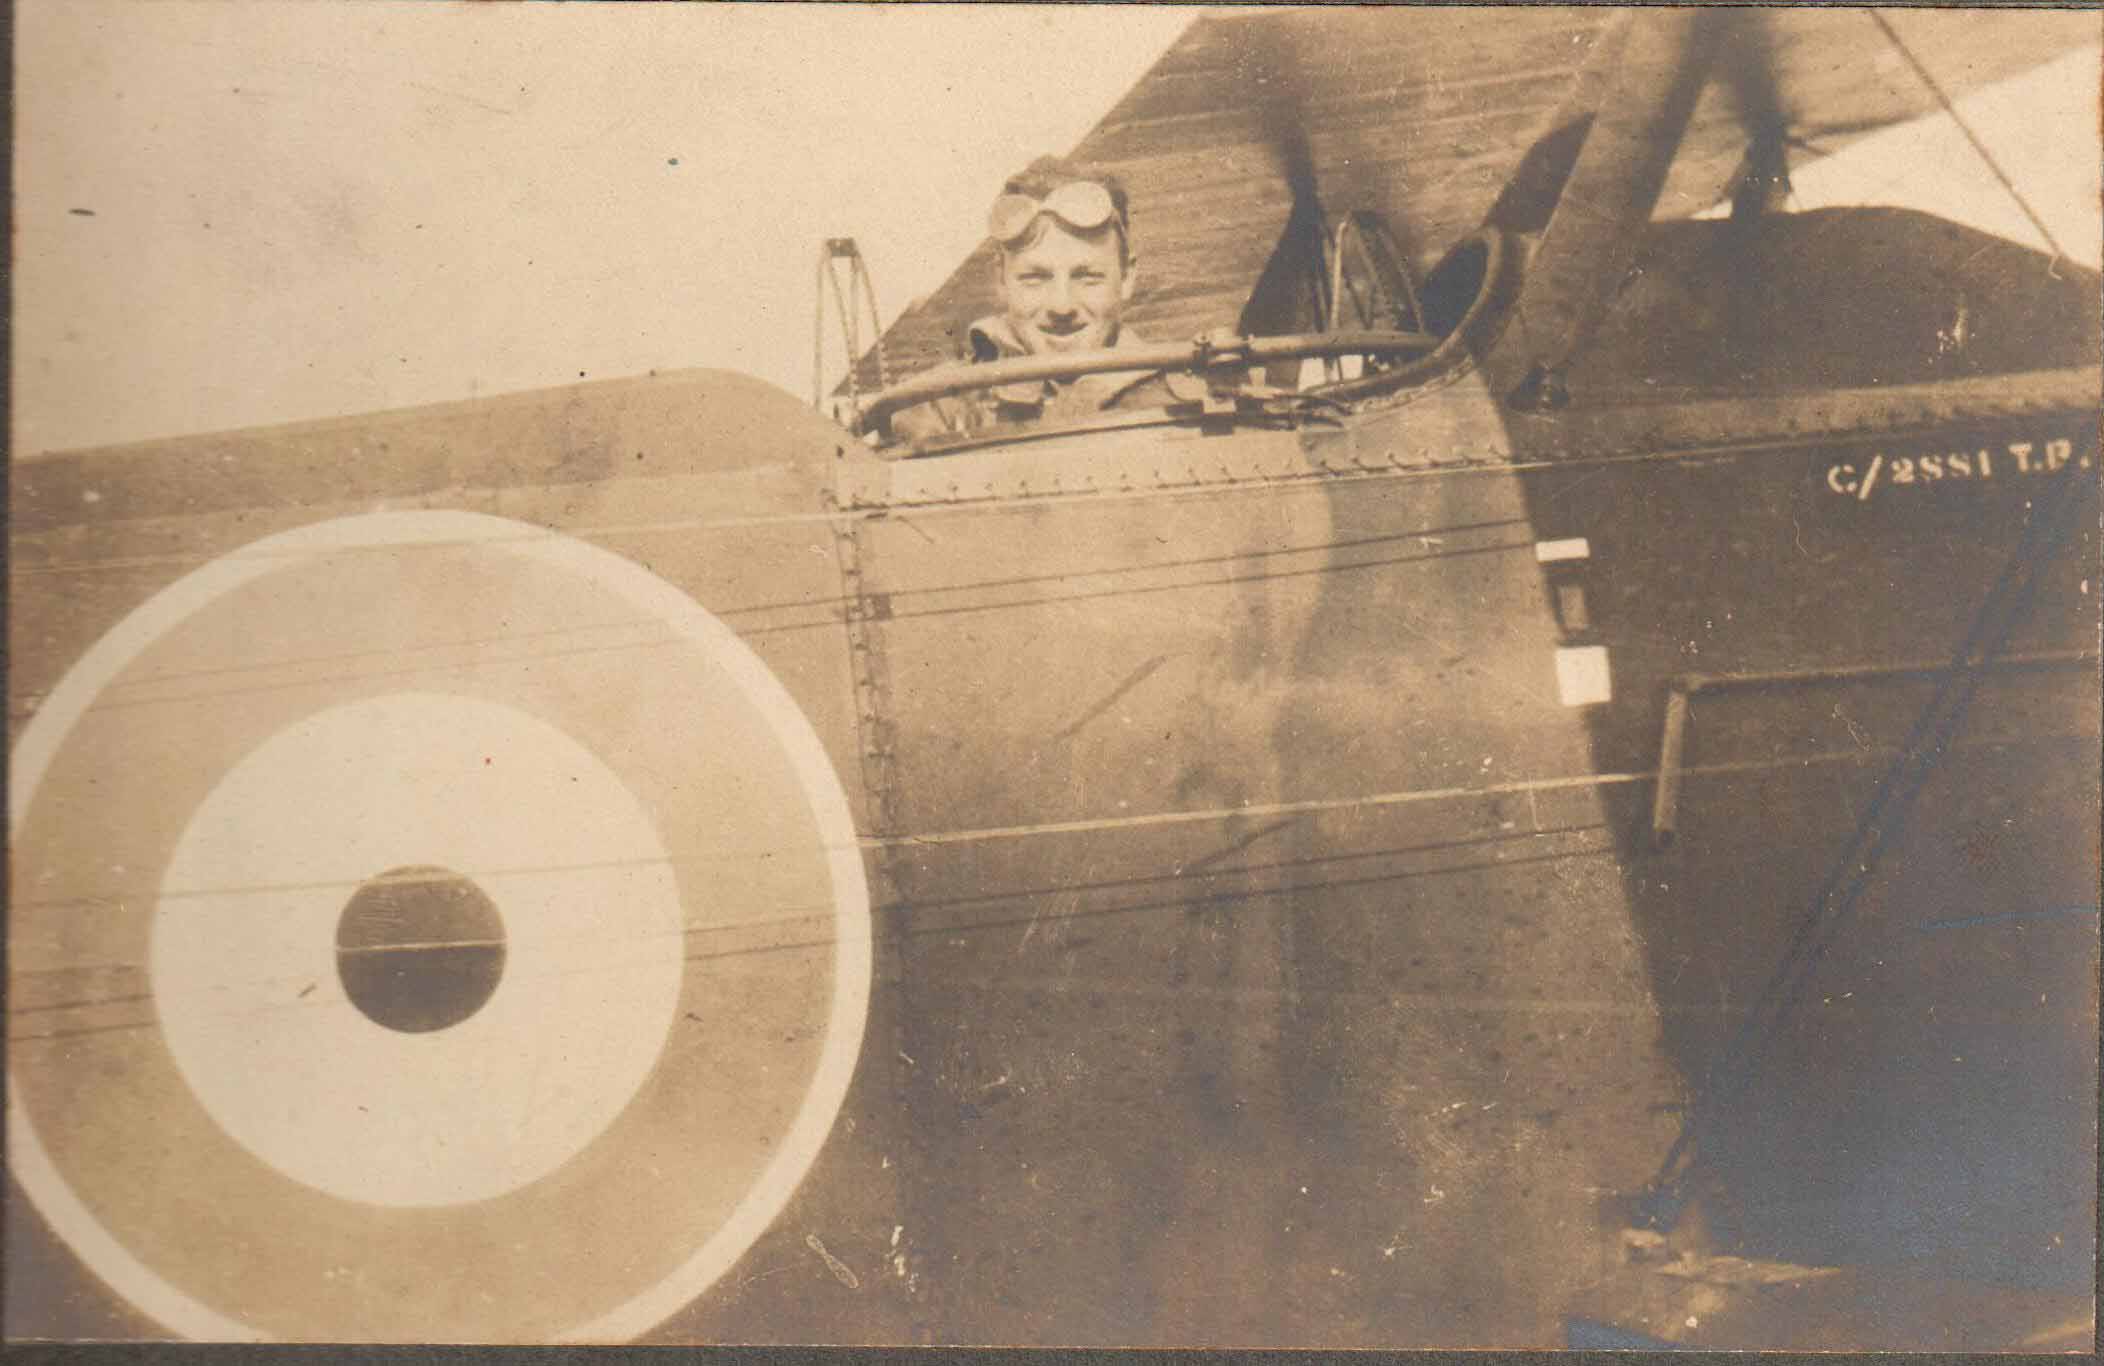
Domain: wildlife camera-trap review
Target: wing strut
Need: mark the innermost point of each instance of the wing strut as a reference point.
(1591, 239)
(2055, 515)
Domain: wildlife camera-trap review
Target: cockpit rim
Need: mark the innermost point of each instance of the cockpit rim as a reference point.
(1477, 269)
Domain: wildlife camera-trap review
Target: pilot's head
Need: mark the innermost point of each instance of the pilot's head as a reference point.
(1066, 267)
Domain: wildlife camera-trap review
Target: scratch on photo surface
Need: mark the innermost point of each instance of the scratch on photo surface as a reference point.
(840, 1269)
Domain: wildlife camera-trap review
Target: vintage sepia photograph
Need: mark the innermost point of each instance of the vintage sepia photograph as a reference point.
(1057, 676)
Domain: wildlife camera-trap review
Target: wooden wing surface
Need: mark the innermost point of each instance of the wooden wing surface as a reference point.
(1425, 114)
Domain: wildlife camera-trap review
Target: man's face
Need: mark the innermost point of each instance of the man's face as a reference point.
(1066, 290)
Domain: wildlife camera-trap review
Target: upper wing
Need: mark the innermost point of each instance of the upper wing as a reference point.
(1834, 75)
(1426, 113)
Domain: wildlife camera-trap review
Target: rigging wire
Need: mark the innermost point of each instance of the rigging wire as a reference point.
(1979, 147)
(1199, 883)
(1732, 1073)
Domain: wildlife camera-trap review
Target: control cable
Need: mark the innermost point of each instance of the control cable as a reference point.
(1729, 1077)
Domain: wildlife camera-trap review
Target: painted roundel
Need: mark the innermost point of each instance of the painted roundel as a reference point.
(466, 935)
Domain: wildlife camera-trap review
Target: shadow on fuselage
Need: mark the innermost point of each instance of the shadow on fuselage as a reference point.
(1930, 1101)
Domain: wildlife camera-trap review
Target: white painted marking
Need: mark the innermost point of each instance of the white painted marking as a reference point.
(1556, 552)
(1870, 478)
(1582, 678)
(47, 731)
(321, 1093)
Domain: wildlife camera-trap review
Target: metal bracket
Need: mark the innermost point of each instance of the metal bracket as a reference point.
(852, 301)
(1672, 748)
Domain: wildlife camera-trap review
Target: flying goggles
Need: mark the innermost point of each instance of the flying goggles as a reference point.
(1082, 205)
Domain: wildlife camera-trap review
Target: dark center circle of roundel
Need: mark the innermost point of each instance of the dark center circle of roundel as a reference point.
(419, 949)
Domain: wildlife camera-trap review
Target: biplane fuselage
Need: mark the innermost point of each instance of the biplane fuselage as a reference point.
(1314, 863)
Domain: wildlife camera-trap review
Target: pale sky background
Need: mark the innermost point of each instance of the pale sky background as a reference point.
(305, 208)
